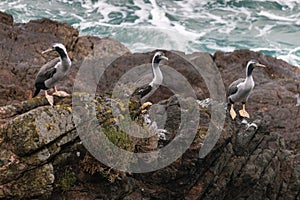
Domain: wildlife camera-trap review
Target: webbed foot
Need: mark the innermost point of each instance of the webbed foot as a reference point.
(49, 98)
(61, 94)
(232, 112)
(144, 106)
(244, 113)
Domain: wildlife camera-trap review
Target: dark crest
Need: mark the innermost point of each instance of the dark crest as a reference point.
(250, 66)
(158, 57)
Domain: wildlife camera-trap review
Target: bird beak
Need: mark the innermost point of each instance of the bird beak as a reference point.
(164, 57)
(46, 51)
(260, 65)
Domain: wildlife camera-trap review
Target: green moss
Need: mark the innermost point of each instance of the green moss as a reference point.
(93, 166)
(200, 135)
(22, 131)
(67, 180)
(118, 138)
(65, 107)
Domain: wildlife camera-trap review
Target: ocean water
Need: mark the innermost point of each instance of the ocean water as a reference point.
(268, 26)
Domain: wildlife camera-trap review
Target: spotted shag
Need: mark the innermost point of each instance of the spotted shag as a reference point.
(239, 90)
(52, 72)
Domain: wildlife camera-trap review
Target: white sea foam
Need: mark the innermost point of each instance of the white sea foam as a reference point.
(76, 16)
(276, 17)
(143, 13)
(264, 31)
(291, 4)
(184, 25)
(292, 57)
(158, 16)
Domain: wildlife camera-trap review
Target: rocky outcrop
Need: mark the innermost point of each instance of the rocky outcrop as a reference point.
(43, 157)
(21, 58)
(274, 97)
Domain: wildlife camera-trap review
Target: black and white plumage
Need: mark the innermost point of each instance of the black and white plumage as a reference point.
(156, 81)
(239, 90)
(298, 99)
(52, 72)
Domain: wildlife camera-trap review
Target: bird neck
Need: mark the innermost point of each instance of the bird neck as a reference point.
(63, 54)
(249, 79)
(65, 60)
(249, 70)
(157, 75)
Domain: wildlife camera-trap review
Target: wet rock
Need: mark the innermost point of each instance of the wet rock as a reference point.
(21, 46)
(6, 19)
(42, 156)
(273, 98)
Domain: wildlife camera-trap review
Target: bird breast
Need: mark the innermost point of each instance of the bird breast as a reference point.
(244, 90)
(249, 83)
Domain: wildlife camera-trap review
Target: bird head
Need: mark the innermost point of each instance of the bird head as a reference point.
(251, 65)
(158, 56)
(56, 47)
(254, 63)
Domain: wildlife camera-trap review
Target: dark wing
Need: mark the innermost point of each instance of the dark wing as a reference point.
(47, 71)
(233, 86)
(142, 91)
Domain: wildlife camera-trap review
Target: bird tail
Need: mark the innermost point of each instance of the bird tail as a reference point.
(37, 90)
